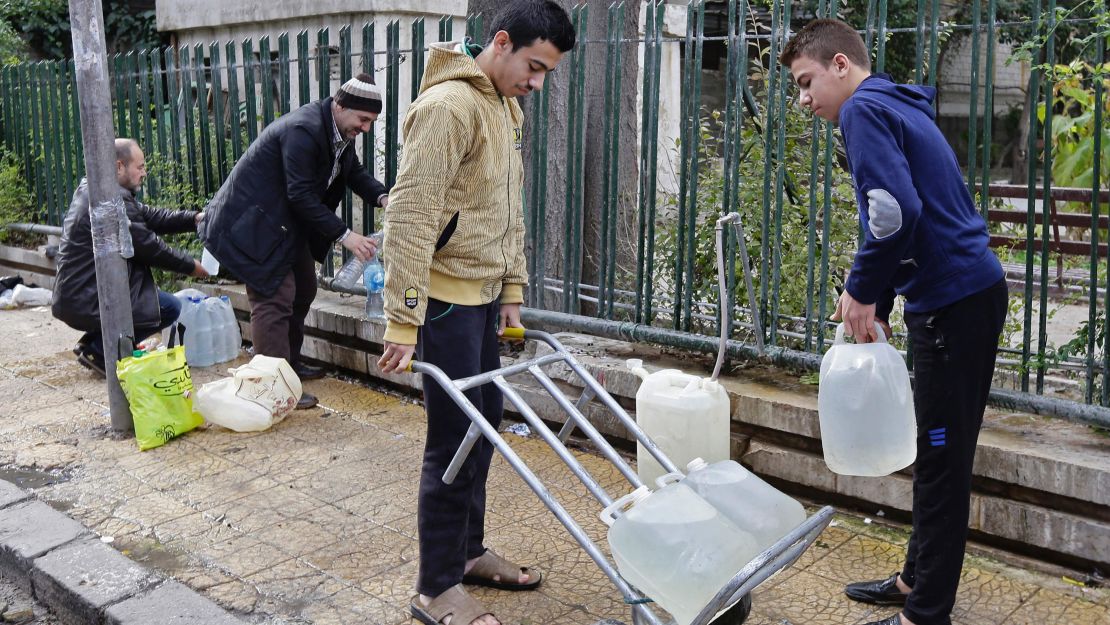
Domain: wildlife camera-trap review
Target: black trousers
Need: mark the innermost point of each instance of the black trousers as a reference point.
(461, 340)
(277, 322)
(954, 350)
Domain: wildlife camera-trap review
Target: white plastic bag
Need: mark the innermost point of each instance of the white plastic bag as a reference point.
(29, 297)
(865, 407)
(258, 395)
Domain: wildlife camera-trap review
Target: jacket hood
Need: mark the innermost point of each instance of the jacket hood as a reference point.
(450, 61)
(916, 96)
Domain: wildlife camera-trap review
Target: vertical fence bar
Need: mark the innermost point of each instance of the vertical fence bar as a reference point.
(187, 97)
(579, 162)
(250, 91)
(695, 167)
(538, 222)
(919, 44)
(685, 141)
(780, 175)
(158, 71)
(474, 27)
(653, 158)
(646, 190)
(606, 284)
(203, 125)
(417, 56)
(67, 128)
(768, 138)
(973, 113)
(130, 73)
(219, 125)
(392, 112)
(46, 189)
(988, 111)
(1047, 205)
(79, 145)
(121, 93)
(1096, 183)
(880, 53)
(323, 65)
(235, 120)
(284, 84)
(346, 72)
(57, 113)
(1031, 202)
(144, 102)
(572, 138)
(445, 25)
(933, 42)
(738, 57)
(266, 79)
(303, 68)
(37, 134)
(369, 145)
(869, 29)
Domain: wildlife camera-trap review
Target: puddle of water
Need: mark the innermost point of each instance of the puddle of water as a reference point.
(153, 554)
(30, 478)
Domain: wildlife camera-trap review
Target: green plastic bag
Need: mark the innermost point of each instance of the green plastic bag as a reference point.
(159, 388)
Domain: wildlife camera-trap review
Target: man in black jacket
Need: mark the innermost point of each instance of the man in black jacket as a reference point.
(75, 295)
(275, 214)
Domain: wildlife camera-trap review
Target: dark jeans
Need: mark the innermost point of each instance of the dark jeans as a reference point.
(953, 350)
(169, 307)
(277, 322)
(461, 340)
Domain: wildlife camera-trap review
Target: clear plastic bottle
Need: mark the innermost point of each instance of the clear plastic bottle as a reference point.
(373, 276)
(349, 273)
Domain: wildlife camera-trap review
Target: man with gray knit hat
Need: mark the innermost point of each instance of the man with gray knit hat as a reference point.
(275, 214)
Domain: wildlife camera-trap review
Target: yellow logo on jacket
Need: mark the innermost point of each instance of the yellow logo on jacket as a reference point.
(518, 138)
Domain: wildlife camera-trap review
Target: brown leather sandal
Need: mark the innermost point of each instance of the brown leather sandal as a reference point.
(490, 564)
(454, 602)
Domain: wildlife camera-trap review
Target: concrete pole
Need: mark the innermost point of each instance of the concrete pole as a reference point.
(109, 226)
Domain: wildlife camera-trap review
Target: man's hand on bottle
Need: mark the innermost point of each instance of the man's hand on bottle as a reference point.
(198, 270)
(360, 246)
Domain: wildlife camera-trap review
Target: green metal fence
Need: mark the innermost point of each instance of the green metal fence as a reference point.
(737, 143)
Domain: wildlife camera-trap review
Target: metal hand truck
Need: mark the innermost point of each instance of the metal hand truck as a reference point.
(733, 598)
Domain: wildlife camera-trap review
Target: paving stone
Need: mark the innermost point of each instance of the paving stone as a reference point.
(27, 531)
(169, 604)
(11, 494)
(80, 579)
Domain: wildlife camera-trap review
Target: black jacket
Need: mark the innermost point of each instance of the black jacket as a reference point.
(277, 199)
(75, 297)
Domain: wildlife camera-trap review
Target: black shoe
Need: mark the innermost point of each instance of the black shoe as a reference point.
(307, 400)
(306, 372)
(878, 592)
(890, 620)
(91, 361)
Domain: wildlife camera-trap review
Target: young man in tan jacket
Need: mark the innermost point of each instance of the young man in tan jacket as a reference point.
(455, 276)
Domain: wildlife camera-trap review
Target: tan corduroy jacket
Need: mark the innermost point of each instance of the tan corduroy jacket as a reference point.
(462, 156)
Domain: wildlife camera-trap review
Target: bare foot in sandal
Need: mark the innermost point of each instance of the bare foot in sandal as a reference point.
(522, 579)
(494, 571)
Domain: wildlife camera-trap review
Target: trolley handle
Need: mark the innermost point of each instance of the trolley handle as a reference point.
(513, 334)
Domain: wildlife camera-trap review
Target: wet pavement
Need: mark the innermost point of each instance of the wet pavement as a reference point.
(313, 521)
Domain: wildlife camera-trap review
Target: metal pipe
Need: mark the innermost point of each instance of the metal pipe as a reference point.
(639, 333)
(36, 229)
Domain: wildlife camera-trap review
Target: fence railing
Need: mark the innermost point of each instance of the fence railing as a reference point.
(645, 138)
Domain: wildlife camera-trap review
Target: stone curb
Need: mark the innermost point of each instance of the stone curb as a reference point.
(84, 581)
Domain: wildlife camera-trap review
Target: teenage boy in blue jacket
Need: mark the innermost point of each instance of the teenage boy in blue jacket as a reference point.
(923, 240)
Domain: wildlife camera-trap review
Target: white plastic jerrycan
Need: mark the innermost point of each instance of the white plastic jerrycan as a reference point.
(752, 504)
(865, 406)
(675, 547)
(686, 416)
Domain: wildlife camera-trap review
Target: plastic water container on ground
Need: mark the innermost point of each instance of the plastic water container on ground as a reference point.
(676, 547)
(687, 417)
(752, 504)
(865, 408)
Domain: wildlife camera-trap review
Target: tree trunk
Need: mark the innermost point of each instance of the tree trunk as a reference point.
(558, 87)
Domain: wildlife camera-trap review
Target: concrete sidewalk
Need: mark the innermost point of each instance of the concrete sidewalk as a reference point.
(313, 521)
